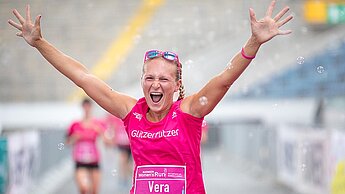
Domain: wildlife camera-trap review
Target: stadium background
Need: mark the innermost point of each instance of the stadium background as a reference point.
(280, 129)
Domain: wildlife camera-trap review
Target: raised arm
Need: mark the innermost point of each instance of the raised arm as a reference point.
(262, 30)
(114, 102)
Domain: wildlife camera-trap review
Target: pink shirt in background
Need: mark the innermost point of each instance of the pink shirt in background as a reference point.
(175, 140)
(85, 149)
(116, 126)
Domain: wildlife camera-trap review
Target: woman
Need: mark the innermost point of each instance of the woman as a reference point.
(82, 134)
(164, 134)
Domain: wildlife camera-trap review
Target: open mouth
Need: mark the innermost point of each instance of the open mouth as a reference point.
(156, 96)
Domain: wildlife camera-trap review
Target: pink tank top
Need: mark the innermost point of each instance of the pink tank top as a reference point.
(172, 142)
(85, 150)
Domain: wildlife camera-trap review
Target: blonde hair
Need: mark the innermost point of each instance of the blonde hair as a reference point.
(179, 77)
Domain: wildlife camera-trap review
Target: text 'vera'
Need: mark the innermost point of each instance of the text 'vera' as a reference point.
(158, 188)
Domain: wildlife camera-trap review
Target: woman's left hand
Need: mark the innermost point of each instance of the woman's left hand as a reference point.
(267, 28)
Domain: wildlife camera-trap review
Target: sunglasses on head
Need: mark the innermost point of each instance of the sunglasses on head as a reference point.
(168, 55)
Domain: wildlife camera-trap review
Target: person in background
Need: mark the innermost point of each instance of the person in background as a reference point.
(82, 135)
(165, 135)
(117, 136)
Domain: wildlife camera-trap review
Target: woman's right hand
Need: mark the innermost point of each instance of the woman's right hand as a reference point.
(29, 31)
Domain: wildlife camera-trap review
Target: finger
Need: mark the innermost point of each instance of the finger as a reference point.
(252, 15)
(270, 8)
(28, 15)
(284, 21)
(20, 34)
(281, 13)
(38, 20)
(18, 16)
(284, 32)
(14, 24)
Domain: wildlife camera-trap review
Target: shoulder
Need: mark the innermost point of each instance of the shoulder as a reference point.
(182, 106)
(137, 110)
(74, 124)
(141, 105)
(141, 101)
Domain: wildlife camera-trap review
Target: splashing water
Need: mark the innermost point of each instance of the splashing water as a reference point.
(114, 172)
(275, 106)
(61, 146)
(320, 69)
(188, 64)
(300, 60)
(203, 100)
(303, 167)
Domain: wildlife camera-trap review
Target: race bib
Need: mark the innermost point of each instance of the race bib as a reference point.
(165, 179)
(86, 152)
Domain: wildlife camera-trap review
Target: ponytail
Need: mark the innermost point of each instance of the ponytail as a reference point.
(179, 77)
(182, 92)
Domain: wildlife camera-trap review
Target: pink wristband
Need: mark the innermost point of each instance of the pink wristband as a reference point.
(245, 56)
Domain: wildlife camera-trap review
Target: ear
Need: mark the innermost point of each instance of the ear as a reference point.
(179, 83)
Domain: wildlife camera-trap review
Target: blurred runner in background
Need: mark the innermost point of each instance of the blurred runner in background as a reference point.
(117, 135)
(82, 135)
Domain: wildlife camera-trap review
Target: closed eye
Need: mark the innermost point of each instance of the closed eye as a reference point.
(149, 78)
(164, 79)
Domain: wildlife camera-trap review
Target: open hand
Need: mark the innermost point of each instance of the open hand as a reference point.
(29, 31)
(267, 28)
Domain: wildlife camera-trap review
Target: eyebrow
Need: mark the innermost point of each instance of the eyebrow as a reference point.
(159, 77)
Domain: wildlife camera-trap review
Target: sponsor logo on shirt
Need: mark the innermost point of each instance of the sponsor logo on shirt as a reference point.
(173, 115)
(138, 116)
(156, 135)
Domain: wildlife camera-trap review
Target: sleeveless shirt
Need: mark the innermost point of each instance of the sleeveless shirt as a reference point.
(175, 140)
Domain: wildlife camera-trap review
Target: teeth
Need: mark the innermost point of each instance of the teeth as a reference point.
(156, 93)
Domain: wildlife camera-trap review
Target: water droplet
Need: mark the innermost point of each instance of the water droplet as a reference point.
(300, 60)
(230, 66)
(114, 172)
(304, 30)
(188, 63)
(203, 100)
(303, 167)
(320, 69)
(61, 146)
(275, 105)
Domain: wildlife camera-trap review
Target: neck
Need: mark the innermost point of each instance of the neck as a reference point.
(87, 117)
(155, 116)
